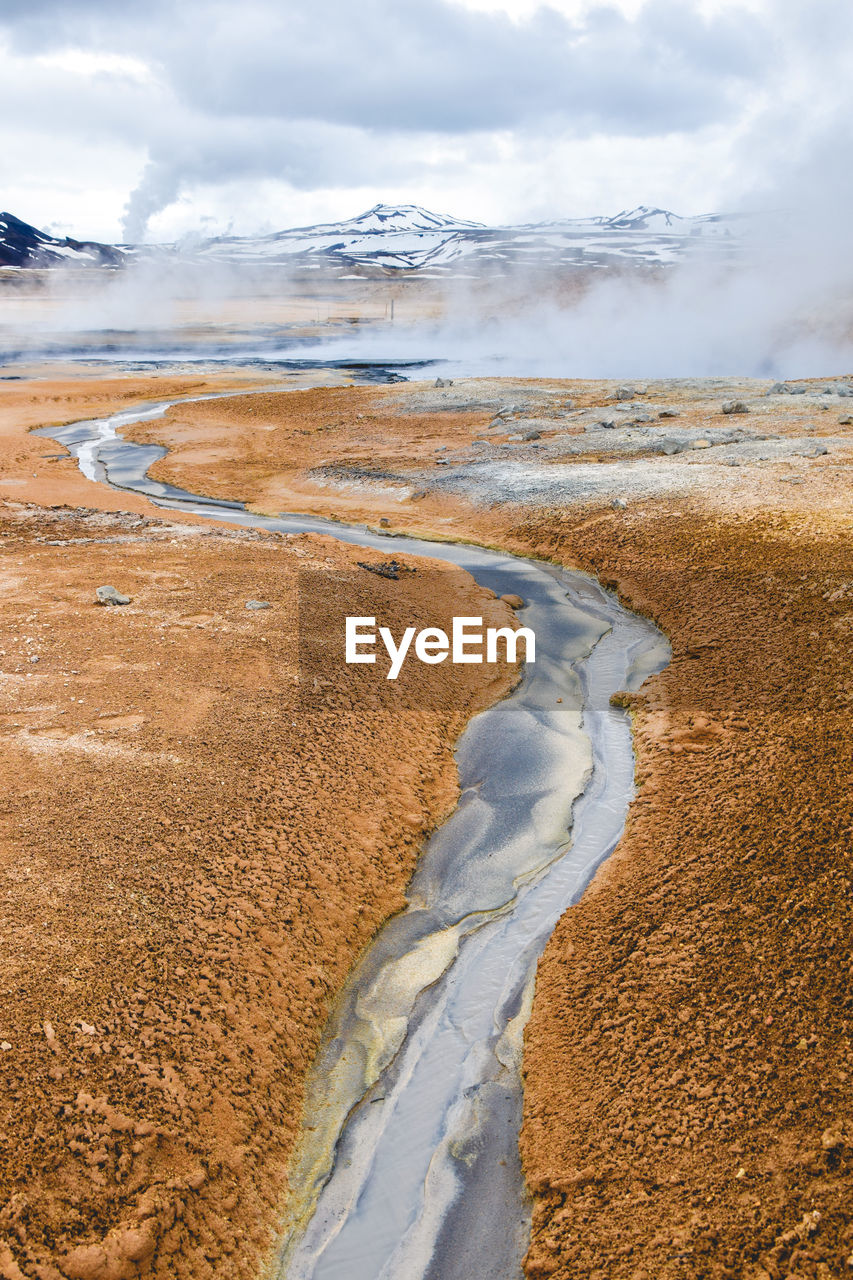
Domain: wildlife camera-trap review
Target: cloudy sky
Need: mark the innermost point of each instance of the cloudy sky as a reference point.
(154, 118)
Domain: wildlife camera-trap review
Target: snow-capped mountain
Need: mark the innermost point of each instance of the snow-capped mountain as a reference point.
(24, 246)
(405, 238)
(390, 236)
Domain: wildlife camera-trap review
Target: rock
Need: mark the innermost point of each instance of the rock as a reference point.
(619, 504)
(514, 601)
(33, 658)
(606, 424)
(384, 522)
(258, 604)
(846, 419)
(532, 435)
(702, 444)
(785, 389)
(735, 406)
(109, 596)
(668, 413)
(387, 569)
(670, 447)
(625, 393)
(418, 494)
(444, 382)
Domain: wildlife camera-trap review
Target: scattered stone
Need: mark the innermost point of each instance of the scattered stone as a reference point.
(668, 413)
(442, 462)
(625, 393)
(532, 435)
(735, 406)
(384, 522)
(444, 382)
(258, 604)
(5, 1046)
(619, 504)
(702, 444)
(846, 419)
(786, 389)
(670, 447)
(418, 494)
(606, 424)
(33, 658)
(387, 568)
(109, 596)
(514, 601)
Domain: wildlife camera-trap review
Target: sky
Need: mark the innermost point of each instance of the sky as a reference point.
(152, 120)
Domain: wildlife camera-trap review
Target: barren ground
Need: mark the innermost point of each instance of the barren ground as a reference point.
(689, 1073)
(688, 1063)
(193, 850)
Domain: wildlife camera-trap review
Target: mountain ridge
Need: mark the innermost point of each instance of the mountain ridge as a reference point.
(404, 237)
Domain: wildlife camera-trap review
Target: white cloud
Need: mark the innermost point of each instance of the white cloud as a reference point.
(502, 110)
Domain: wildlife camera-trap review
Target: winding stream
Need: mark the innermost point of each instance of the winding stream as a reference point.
(408, 1165)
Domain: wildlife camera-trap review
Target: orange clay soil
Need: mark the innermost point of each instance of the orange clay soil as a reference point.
(283, 451)
(35, 469)
(194, 847)
(689, 1072)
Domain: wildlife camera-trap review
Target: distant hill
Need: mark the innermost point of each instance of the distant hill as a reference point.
(24, 246)
(388, 239)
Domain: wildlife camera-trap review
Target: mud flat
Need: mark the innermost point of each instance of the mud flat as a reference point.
(689, 1074)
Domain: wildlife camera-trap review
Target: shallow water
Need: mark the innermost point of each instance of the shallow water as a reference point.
(408, 1165)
